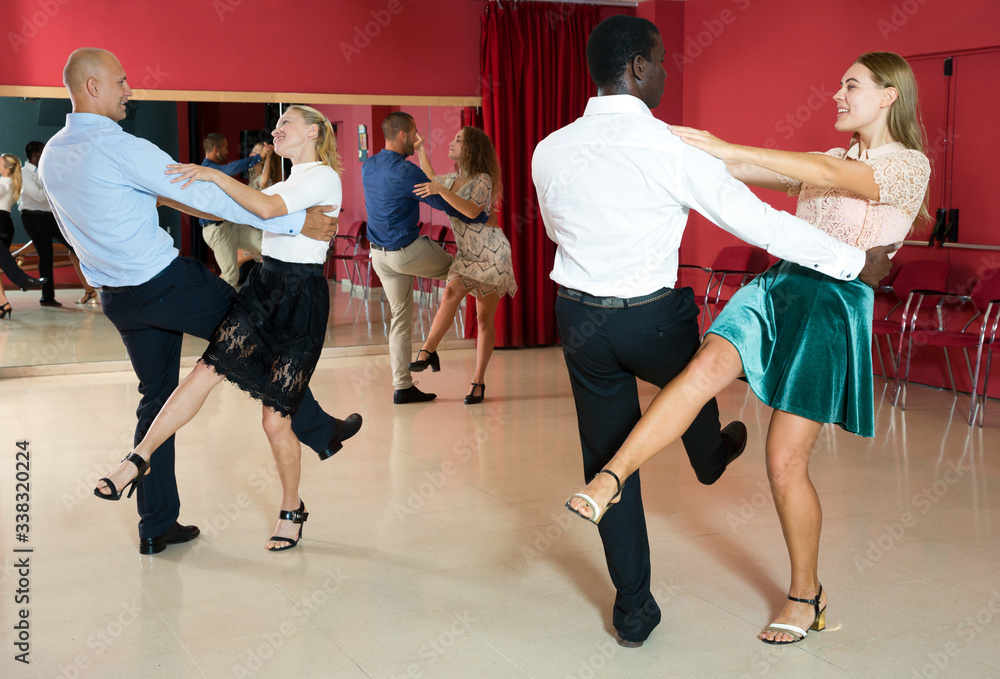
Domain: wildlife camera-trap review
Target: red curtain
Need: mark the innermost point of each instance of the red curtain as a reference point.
(534, 81)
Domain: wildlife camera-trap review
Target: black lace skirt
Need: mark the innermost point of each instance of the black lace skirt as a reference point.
(270, 341)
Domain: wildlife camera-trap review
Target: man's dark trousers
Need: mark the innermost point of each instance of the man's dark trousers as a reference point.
(152, 319)
(606, 349)
(43, 230)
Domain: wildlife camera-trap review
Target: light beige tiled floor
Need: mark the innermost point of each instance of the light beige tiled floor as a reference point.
(437, 545)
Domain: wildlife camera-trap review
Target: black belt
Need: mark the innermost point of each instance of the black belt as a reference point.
(613, 302)
(36, 212)
(278, 266)
(376, 246)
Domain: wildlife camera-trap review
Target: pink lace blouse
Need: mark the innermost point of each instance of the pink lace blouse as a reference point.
(902, 175)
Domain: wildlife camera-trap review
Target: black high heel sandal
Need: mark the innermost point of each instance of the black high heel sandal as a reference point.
(471, 398)
(142, 470)
(431, 361)
(298, 516)
(6, 310)
(819, 622)
(596, 513)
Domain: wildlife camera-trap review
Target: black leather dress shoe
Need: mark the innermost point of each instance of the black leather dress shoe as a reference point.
(31, 283)
(346, 428)
(734, 435)
(50, 302)
(175, 535)
(412, 395)
(734, 438)
(627, 643)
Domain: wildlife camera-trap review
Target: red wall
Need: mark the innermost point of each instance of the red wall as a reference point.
(411, 47)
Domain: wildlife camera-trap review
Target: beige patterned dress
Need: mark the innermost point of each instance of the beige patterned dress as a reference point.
(483, 261)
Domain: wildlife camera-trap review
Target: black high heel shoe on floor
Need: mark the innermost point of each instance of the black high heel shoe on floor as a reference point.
(471, 398)
(798, 634)
(142, 469)
(6, 310)
(421, 365)
(298, 516)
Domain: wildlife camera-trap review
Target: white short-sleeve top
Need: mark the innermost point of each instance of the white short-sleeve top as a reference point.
(308, 185)
(6, 193)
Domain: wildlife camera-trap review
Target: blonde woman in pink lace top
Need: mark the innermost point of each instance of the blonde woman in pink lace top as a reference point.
(801, 340)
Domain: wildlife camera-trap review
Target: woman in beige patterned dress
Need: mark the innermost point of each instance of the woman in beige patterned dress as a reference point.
(482, 266)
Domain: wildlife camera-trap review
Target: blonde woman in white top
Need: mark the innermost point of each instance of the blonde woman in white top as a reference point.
(10, 191)
(271, 339)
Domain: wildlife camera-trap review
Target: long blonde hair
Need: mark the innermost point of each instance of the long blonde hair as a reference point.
(14, 165)
(326, 140)
(891, 70)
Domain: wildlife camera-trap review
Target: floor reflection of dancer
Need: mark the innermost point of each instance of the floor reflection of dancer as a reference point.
(482, 265)
(10, 191)
(270, 342)
(802, 340)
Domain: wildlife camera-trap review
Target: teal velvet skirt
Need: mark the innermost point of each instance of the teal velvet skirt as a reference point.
(806, 344)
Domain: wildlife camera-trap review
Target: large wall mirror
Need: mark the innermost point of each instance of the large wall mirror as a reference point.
(34, 336)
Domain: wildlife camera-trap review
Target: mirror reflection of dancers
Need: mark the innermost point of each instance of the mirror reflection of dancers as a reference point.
(482, 266)
(271, 339)
(10, 191)
(796, 335)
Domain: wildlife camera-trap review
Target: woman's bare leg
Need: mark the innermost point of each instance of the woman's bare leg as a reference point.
(486, 309)
(183, 404)
(287, 454)
(712, 369)
(88, 289)
(790, 440)
(452, 297)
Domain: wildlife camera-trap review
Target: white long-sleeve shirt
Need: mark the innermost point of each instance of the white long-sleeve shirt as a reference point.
(615, 187)
(32, 194)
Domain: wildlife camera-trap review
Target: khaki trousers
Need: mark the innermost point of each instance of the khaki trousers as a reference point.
(397, 269)
(225, 239)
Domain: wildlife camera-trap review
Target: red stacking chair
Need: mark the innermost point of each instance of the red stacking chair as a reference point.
(350, 240)
(977, 332)
(919, 277)
(733, 267)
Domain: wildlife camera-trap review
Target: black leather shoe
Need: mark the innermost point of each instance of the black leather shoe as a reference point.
(734, 438)
(346, 428)
(626, 643)
(734, 435)
(432, 361)
(175, 535)
(471, 398)
(50, 302)
(31, 283)
(412, 395)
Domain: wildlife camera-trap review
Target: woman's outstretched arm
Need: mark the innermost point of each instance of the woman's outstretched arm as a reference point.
(812, 168)
(261, 204)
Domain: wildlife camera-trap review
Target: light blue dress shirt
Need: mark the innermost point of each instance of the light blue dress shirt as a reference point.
(102, 184)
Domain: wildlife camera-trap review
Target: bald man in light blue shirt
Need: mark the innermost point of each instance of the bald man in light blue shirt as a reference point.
(104, 185)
